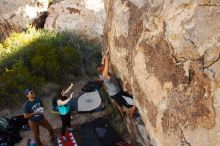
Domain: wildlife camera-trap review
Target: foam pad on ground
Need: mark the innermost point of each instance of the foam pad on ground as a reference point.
(71, 140)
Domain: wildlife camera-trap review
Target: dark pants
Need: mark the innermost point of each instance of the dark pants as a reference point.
(120, 100)
(65, 122)
(35, 129)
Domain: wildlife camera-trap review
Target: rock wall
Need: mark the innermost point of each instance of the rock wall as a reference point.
(16, 14)
(136, 128)
(84, 18)
(167, 53)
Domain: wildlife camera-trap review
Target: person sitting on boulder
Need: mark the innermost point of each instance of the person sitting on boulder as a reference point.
(64, 109)
(113, 87)
(33, 110)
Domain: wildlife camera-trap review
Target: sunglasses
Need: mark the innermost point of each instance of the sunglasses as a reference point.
(32, 92)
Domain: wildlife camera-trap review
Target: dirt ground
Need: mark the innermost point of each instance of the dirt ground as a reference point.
(54, 119)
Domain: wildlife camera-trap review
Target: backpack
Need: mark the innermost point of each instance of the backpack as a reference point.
(18, 121)
(9, 134)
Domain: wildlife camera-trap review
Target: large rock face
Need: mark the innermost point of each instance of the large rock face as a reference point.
(167, 53)
(16, 14)
(85, 18)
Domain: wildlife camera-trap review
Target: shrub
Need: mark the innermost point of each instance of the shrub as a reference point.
(35, 57)
(91, 56)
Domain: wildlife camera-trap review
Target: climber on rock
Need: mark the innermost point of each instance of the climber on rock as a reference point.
(113, 87)
(33, 110)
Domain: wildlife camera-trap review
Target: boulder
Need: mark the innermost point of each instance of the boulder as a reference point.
(167, 54)
(84, 18)
(15, 15)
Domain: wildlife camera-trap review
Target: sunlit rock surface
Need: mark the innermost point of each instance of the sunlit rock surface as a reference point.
(167, 53)
(85, 18)
(16, 14)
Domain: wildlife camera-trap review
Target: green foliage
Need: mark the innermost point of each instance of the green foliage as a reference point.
(70, 56)
(91, 56)
(34, 57)
(14, 81)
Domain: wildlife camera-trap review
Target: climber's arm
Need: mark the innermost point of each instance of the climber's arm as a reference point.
(105, 73)
(68, 89)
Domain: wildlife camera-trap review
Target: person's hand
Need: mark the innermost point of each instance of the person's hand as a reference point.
(71, 84)
(106, 57)
(37, 112)
(40, 110)
(71, 95)
(107, 52)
